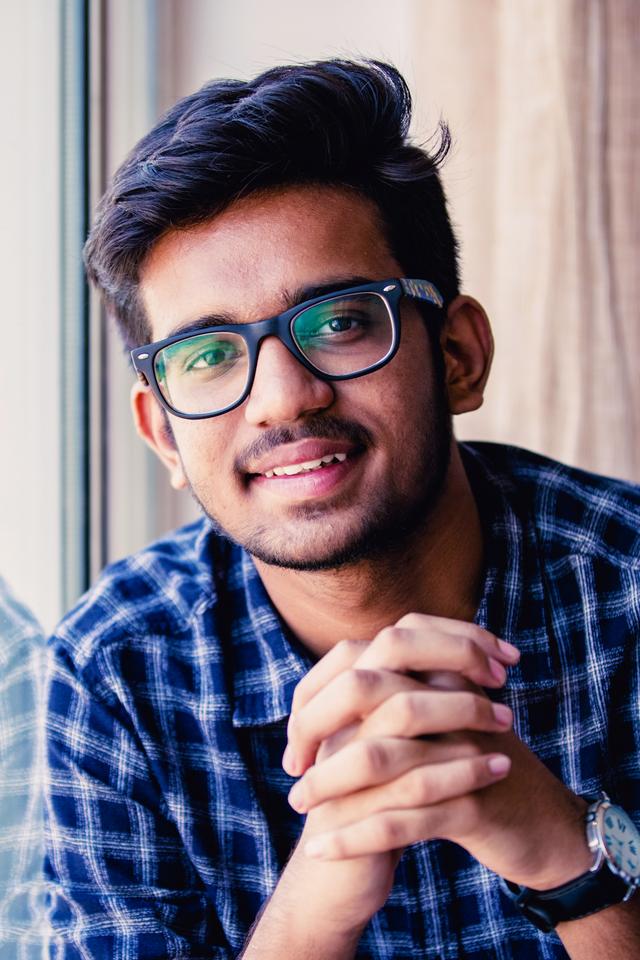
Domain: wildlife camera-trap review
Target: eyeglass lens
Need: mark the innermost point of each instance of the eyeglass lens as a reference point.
(341, 336)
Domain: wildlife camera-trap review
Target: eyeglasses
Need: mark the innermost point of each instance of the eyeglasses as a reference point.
(338, 336)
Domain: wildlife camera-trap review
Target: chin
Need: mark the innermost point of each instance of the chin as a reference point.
(307, 544)
(313, 542)
(310, 560)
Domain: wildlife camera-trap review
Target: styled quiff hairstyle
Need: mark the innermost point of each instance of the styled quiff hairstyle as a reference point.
(334, 123)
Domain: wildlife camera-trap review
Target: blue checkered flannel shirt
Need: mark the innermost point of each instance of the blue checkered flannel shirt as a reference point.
(167, 816)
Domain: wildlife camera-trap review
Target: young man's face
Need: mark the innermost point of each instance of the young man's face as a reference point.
(247, 264)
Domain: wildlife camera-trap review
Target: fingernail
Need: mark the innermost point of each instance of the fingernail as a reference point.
(509, 651)
(499, 765)
(497, 670)
(503, 714)
(289, 761)
(315, 848)
(296, 799)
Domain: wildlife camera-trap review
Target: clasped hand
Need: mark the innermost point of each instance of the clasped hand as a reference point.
(395, 741)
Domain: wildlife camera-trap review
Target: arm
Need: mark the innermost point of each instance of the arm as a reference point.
(293, 922)
(614, 932)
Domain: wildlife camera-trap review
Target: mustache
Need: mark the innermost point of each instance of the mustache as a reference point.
(318, 428)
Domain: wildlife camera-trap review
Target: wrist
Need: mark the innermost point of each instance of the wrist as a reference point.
(284, 928)
(295, 922)
(613, 876)
(564, 856)
(317, 898)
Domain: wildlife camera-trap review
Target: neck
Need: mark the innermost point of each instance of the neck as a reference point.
(440, 574)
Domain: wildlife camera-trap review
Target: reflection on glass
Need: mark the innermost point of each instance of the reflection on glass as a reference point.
(23, 920)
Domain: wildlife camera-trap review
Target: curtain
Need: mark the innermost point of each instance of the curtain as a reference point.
(544, 102)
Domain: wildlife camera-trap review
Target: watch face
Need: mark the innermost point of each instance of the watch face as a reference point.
(621, 839)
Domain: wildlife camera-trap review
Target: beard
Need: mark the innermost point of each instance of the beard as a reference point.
(316, 537)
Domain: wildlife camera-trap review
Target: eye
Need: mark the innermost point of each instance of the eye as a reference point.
(332, 325)
(339, 324)
(206, 356)
(213, 356)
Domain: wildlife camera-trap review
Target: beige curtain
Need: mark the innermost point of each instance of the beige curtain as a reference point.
(543, 97)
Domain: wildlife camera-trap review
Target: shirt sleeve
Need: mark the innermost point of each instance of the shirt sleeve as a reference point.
(121, 882)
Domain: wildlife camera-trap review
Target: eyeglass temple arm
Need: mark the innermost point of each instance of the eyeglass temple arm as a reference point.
(422, 290)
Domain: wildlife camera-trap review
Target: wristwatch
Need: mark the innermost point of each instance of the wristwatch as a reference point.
(613, 877)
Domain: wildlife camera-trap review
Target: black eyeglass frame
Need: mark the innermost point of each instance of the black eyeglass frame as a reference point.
(280, 326)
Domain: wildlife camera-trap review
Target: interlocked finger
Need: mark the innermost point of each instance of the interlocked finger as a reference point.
(427, 711)
(420, 643)
(349, 697)
(367, 763)
(427, 802)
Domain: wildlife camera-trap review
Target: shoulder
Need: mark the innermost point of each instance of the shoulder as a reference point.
(158, 592)
(573, 511)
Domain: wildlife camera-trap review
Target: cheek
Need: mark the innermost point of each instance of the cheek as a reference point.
(206, 450)
(397, 396)
(412, 386)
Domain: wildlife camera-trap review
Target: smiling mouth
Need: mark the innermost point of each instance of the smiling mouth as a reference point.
(308, 466)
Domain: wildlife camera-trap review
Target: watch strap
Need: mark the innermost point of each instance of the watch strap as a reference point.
(588, 893)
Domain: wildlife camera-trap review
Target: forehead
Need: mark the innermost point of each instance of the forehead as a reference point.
(246, 261)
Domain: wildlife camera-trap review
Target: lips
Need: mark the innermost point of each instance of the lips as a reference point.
(306, 466)
(294, 459)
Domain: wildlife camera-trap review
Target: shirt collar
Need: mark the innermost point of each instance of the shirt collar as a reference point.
(512, 604)
(268, 663)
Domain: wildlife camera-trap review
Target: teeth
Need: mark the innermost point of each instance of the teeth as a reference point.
(292, 469)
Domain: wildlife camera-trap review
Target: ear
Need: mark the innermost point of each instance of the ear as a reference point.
(151, 425)
(467, 346)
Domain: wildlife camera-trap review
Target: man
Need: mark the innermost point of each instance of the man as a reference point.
(442, 636)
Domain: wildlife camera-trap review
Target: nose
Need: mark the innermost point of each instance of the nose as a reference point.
(283, 389)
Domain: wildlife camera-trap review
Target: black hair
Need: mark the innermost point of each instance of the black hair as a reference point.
(333, 122)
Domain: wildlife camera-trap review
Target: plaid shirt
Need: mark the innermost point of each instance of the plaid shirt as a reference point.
(168, 821)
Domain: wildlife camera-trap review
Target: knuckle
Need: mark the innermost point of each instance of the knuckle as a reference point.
(413, 621)
(388, 638)
(375, 759)
(346, 650)
(486, 641)
(477, 634)
(360, 682)
(405, 710)
(478, 657)
(467, 645)
(478, 708)
(469, 650)
(483, 708)
(390, 831)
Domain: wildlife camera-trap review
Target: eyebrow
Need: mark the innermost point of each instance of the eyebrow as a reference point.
(291, 298)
